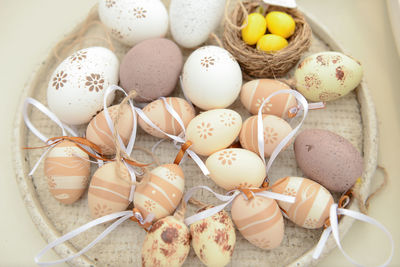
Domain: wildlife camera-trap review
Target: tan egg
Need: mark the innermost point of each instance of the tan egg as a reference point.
(108, 192)
(213, 239)
(255, 92)
(275, 129)
(67, 171)
(161, 192)
(166, 244)
(235, 167)
(213, 130)
(259, 220)
(312, 204)
(158, 114)
(100, 134)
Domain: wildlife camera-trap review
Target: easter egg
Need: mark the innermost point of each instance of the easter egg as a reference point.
(255, 92)
(67, 170)
(327, 76)
(76, 88)
(236, 168)
(211, 78)
(271, 43)
(151, 68)
(213, 130)
(213, 239)
(275, 129)
(133, 21)
(109, 192)
(280, 23)
(328, 158)
(166, 244)
(312, 203)
(255, 28)
(156, 111)
(192, 21)
(161, 191)
(259, 220)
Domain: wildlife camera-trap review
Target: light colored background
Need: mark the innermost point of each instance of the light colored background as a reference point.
(29, 29)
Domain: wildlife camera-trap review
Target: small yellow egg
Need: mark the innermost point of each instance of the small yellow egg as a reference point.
(256, 27)
(271, 43)
(280, 23)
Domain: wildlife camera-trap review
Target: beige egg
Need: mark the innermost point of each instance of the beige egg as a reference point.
(158, 114)
(255, 92)
(275, 129)
(213, 130)
(109, 192)
(235, 167)
(100, 134)
(213, 239)
(166, 244)
(161, 191)
(312, 204)
(67, 171)
(259, 220)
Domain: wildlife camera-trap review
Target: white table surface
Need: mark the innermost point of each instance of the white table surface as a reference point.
(29, 29)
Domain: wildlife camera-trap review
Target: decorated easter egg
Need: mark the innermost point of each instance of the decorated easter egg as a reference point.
(312, 204)
(328, 158)
(109, 192)
(133, 21)
(161, 191)
(76, 88)
(213, 239)
(327, 76)
(275, 129)
(167, 243)
(157, 112)
(67, 170)
(259, 220)
(151, 68)
(211, 78)
(255, 92)
(235, 167)
(213, 130)
(192, 21)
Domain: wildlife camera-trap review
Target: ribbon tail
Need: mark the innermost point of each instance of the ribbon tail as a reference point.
(199, 162)
(39, 160)
(277, 196)
(321, 243)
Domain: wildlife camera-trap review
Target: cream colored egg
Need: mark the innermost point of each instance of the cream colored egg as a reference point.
(213, 130)
(67, 170)
(156, 111)
(259, 220)
(312, 204)
(235, 167)
(327, 76)
(275, 129)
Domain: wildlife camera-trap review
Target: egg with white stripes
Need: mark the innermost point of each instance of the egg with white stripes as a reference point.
(312, 204)
(67, 170)
(161, 191)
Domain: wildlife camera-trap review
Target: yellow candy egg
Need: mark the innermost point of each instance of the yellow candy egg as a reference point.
(280, 23)
(256, 27)
(271, 43)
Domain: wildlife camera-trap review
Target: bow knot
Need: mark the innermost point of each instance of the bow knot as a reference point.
(144, 223)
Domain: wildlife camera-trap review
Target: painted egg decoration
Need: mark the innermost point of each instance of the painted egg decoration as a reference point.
(213, 130)
(133, 21)
(259, 220)
(312, 203)
(211, 78)
(327, 76)
(255, 92)
(275, 129)
(67, 170)
(157, 112)
(161, 191)
(236, 168)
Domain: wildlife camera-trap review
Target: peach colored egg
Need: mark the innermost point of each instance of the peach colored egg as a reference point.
(312, 204)
(259, 220)
(275, 129)
(158, 114)
(255, 92)
(213, 130)
(67, 171)
(161, 191)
